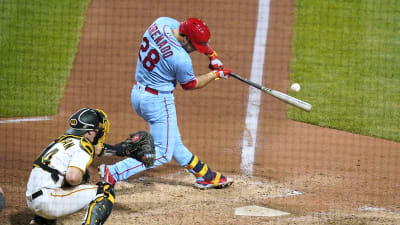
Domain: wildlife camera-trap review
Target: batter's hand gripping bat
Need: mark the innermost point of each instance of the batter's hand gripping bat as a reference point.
(277, 94)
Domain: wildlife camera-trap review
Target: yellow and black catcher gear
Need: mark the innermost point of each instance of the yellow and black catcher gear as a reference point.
(105, 128)
(87, 119)
(100, 208)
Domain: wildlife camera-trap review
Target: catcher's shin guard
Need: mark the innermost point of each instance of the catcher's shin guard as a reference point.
(101, 207)
(199, 168)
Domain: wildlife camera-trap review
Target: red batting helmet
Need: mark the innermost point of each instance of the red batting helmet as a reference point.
(197, 32)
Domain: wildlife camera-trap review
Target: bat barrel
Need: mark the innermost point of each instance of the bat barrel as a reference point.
(277, 94)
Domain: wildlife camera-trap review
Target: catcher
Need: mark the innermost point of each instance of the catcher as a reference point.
(57, 183)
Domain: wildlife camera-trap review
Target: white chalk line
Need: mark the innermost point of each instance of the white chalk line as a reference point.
(256, 74)
(32, 119)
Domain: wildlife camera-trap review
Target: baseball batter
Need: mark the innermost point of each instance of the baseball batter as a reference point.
(163, 61)
(55, 187)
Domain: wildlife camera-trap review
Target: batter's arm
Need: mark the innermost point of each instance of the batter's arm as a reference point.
(204, 79)
(200, 81)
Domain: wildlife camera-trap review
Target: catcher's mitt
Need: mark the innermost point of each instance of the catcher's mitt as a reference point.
(140, 146)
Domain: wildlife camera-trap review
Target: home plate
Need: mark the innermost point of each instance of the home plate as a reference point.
(254, 210)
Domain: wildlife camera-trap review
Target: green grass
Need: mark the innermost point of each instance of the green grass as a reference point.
(346, 56)
(38, 42)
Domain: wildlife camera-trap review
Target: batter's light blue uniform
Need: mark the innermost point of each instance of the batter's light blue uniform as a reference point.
(161, 64)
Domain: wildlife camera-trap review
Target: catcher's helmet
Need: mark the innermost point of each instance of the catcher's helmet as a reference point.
(197, 32)
(86, 119)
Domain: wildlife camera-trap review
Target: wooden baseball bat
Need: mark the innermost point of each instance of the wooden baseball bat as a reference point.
(277, 94)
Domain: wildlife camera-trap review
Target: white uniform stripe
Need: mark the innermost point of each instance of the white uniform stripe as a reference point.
(253, 105)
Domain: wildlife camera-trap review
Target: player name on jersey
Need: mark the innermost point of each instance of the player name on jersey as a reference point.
(160, 40)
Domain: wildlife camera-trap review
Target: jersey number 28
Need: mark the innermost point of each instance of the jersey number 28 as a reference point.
(152, 56)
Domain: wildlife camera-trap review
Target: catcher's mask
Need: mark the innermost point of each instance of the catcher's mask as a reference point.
(197, 32)
(87, 119)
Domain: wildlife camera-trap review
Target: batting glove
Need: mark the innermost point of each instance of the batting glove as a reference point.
(222, 73)
(215, 63)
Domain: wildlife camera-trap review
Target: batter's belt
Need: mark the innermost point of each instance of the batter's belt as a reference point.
(151, 90)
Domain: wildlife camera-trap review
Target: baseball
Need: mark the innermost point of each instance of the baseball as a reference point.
(295, 87)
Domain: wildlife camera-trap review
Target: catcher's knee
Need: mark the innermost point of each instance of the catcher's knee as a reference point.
(101, 207)
(199, 168)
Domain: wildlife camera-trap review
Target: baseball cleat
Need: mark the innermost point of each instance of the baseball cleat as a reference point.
(38, 220)
(218, 182)
(105, 175)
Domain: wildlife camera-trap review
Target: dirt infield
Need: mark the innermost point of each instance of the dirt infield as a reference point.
(345, 178)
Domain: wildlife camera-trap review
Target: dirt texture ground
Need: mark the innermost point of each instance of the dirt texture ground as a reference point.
(345, 178)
